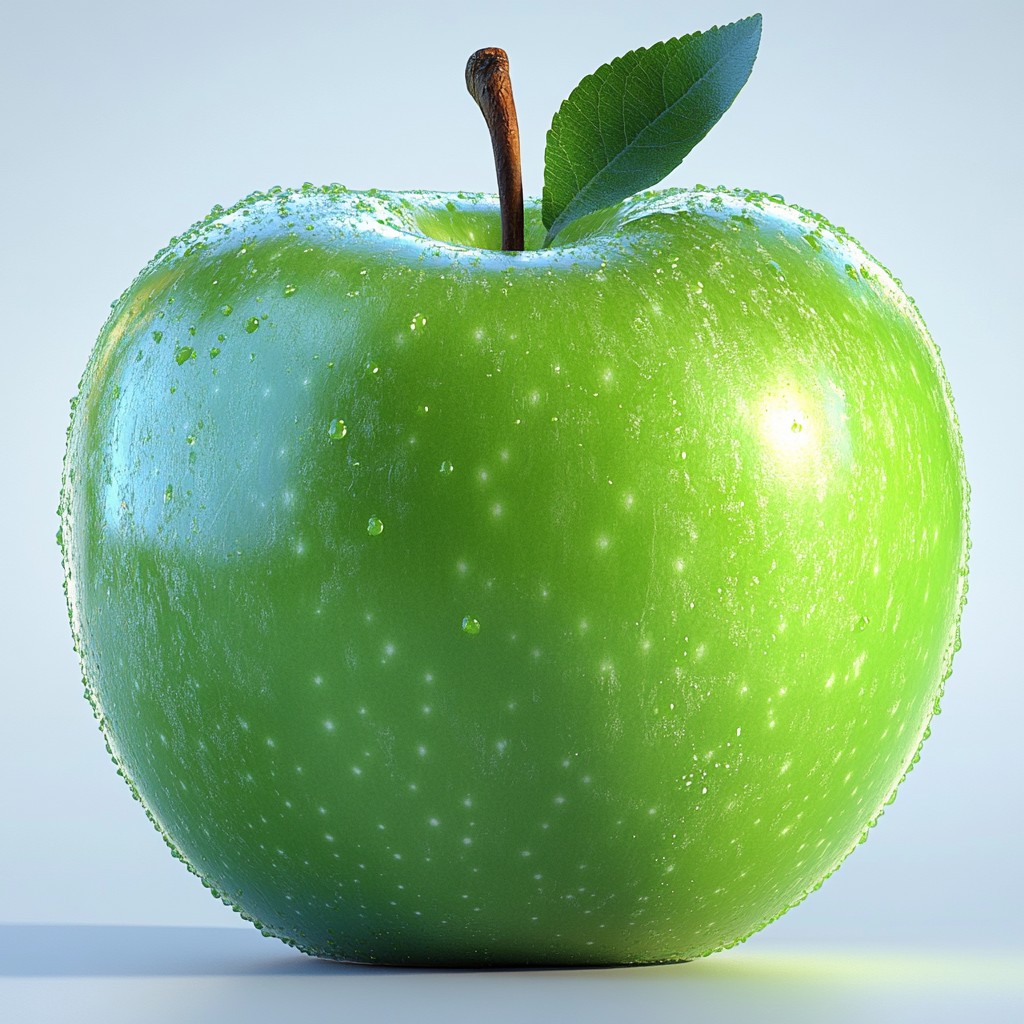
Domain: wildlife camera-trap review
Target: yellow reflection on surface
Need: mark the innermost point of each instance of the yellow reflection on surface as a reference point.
(878, 969)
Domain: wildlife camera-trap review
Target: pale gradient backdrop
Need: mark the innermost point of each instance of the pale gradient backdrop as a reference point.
(122, 123)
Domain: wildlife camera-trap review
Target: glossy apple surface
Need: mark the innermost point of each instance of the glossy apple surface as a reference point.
(451, 606)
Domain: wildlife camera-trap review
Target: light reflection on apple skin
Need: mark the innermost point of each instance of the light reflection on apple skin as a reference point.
(804, 434)
(788, 429)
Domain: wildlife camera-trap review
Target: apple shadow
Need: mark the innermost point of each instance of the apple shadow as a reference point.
(157, 951)
(97, 951)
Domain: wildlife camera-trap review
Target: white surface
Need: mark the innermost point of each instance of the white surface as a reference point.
(210, 975)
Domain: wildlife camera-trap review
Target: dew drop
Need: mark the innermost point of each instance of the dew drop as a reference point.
(158, 336)
(289, 290)
(862, 623)
(470, 625)
(226, 310)
(375, 527)
(184, 354)
(447, 468)
(252, 324)
(337, 430)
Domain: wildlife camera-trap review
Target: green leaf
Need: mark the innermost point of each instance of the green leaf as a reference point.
(626, 126)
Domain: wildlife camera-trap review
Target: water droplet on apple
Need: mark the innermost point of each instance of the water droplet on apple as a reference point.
(289, 289)
(375, 527)
(447, 468)
(470, 625)
(226, 310)
(252, 324)
(184, 354)
(862, 623)
(337, 430)
(157, 336)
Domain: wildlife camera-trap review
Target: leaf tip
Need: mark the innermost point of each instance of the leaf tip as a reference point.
(631, 122)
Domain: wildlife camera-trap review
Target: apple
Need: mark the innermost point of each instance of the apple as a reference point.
(583, 604)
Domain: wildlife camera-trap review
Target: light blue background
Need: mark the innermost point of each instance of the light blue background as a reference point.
(122, 123)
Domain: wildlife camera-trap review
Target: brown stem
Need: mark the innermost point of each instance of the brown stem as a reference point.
(489, 84)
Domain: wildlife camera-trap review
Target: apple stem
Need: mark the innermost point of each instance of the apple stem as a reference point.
(488, 81)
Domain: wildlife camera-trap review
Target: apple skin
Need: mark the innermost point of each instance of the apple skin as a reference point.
(695, 474)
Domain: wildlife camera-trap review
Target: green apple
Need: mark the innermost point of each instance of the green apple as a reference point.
(447, 605)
